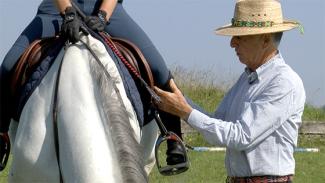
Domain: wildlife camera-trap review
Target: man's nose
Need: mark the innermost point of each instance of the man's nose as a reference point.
(234, 42)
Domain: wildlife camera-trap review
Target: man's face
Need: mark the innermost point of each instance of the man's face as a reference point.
(248, 49)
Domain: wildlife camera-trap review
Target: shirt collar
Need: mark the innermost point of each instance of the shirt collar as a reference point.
(252, 76)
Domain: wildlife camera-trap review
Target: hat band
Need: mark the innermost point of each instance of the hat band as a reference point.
(243, 23)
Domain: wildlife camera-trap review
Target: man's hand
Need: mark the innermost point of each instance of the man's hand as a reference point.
(97, 23)
(174, 103)
(72, 25)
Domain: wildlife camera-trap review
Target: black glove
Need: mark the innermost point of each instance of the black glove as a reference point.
(72, 25)
(97, 23)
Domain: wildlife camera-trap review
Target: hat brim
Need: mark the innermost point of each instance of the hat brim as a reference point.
(230, 30)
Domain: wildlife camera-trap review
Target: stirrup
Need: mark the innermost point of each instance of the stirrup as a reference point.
(174, 169)
(171, 169)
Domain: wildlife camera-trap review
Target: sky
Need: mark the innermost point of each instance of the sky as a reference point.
(183, 32)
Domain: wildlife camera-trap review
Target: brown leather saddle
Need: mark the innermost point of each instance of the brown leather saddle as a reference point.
(133, 55)
(39, 49)
(28, 62)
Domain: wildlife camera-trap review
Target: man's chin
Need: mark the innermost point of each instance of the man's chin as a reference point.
(241, 60)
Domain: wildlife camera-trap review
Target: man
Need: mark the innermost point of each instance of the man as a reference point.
(259, 117)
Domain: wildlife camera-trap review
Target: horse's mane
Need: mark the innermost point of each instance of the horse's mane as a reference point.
(127, 148)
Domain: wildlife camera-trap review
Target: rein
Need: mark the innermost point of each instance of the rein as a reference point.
(152, 94)
(55, 121)
(110, 43)
(164, 134)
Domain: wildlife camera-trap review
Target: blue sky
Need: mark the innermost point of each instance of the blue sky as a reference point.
(183, 32)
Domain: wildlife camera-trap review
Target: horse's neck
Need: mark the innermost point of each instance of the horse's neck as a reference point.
(87, 152)
(103, 89)
(81, 123)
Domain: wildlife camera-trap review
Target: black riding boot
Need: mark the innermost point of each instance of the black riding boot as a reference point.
(175, 154)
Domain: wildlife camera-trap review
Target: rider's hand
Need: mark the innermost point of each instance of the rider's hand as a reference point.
(72, 25)
(97, 23)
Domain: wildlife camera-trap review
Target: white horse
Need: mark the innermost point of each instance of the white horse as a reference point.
(99, 138)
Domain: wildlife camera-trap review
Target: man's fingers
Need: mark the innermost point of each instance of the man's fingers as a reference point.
(173, 86)
(158, 90)
(160, 93)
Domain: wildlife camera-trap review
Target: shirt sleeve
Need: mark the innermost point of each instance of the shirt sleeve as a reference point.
(223, 106)
(258, 119)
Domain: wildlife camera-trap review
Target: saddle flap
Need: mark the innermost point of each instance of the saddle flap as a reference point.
(29, 60)
(135, 57)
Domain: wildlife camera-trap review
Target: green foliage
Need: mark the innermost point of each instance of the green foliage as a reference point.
(206, 97)
(313, 114)
(199, 87)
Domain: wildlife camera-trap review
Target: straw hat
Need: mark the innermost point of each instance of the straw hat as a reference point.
(253, 17)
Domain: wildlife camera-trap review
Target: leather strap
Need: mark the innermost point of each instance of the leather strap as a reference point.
(137, 58)
(128, 55)
(261, 179)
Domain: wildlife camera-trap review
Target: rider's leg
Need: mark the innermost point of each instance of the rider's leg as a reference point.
(123, 26)
(46, 24)
(41, 26)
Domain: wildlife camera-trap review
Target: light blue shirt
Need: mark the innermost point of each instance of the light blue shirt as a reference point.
(258, 121)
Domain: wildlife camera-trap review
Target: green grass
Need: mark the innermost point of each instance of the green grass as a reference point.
(4, 173)
(209, 167)
(313, 114)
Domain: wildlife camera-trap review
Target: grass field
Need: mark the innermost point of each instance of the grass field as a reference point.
(208, 167)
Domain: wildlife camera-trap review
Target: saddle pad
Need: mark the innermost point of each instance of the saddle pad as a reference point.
(30, 70)
(39, 57)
